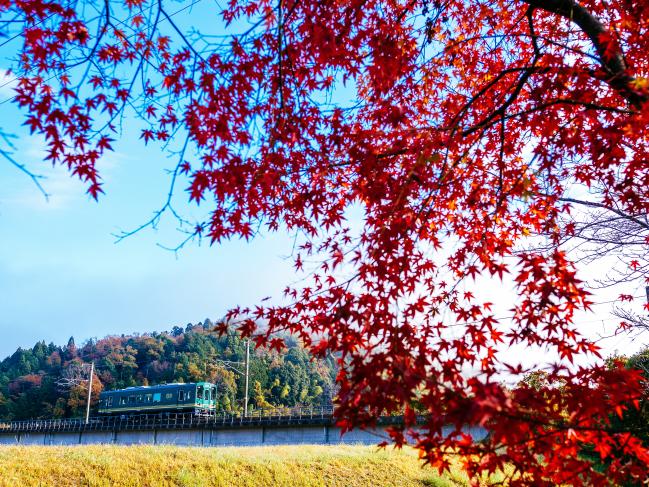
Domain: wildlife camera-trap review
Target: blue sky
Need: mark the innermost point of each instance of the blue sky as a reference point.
(62, 274)
(61, 271)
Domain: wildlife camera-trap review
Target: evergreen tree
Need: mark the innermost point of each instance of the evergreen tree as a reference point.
(28, 378)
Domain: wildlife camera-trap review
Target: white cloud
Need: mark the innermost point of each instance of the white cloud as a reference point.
(8, 82)
(63, 189)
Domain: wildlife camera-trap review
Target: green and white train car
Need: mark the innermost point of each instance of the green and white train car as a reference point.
(199, 397)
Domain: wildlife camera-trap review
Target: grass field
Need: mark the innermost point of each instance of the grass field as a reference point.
(305, 465)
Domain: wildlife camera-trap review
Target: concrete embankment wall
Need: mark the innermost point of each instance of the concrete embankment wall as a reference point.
(258, 436)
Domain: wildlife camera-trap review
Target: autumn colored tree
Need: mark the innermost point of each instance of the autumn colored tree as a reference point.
(258, 397)
(78, 396)
(457, 128)
(36, 383)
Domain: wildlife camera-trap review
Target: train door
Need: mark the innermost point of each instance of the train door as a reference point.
(200, 400)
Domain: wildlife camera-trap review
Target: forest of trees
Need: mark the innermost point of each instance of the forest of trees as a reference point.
(47, 380)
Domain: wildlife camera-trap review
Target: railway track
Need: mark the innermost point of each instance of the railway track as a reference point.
(183, 420)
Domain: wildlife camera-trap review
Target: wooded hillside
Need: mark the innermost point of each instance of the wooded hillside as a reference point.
(50, 381)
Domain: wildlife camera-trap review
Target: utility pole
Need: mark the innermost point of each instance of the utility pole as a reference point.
(245, 402)
(232, 365)
(92, 372)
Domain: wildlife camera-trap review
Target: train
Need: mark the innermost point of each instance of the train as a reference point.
(194, 397)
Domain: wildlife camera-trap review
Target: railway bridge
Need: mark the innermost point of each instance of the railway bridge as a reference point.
(313, 425)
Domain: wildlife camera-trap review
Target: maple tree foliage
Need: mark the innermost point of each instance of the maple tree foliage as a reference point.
(467, 125)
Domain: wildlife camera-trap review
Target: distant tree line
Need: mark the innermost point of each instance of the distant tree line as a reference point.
(50, 381)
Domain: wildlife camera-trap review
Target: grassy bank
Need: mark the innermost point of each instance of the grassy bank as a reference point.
(308, 465)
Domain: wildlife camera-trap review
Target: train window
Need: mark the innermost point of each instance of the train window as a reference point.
(214, 394)
(181, 395)
(148, 397)
(139, 398)
(109, 401)
(131, 399)
(156, 397)
(199, 392)
(122, 400)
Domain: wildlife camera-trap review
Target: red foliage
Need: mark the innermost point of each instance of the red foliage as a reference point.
(472, 120)
(24, 383)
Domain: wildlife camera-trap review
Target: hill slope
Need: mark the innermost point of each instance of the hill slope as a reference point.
(50, 381)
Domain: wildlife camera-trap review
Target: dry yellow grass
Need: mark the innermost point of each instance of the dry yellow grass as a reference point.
(305, 465)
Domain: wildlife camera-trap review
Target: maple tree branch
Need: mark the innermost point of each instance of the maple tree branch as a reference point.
(501, 111)
(280, 75)
(167, 206)
(484, 90)
(639, 322)
(533, 34)
(614, 64)
(485, 124)
(23, 168)
(594, 204)
(178, 31)
(101, 31)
